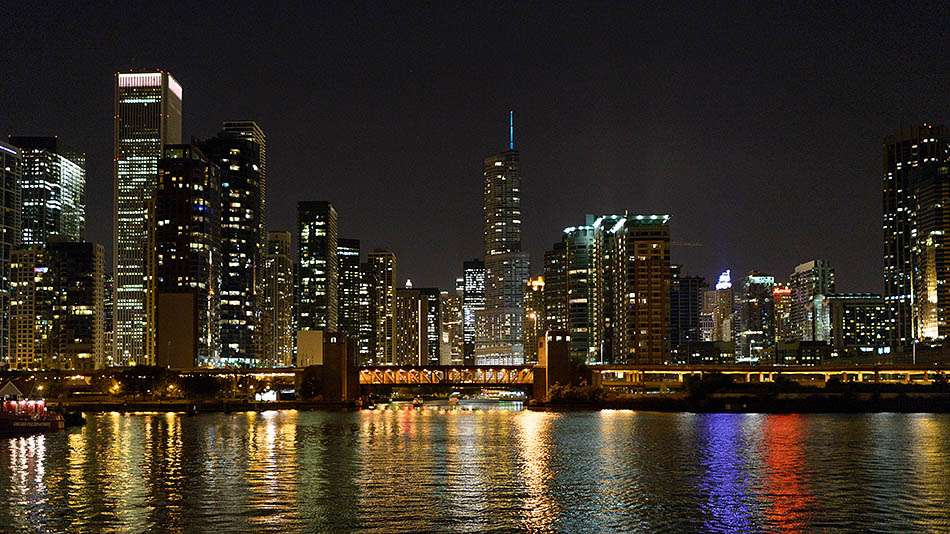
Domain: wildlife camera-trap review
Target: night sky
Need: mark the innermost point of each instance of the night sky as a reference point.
(758, 128)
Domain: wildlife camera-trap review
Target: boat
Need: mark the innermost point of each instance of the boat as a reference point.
(20, 416)
(454, 400)
(417, 402)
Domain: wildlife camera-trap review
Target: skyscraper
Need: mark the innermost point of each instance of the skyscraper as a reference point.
(534, 317)
(755, 310)
(381, 278)
(718, 306)
(499, 330)
(52, 190)
(686, 306)
(9, 231)
(782, 297)
(473, 302)
(317, 278)
(915, 201)
(185, 271)
(277, 299)
(147, 116)
(451, 342)
(242, 242)
(348, 294)
(609, 282)
(418, 326)
(812, 278)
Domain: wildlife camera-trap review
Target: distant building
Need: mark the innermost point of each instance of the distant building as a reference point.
(686, 307)
(57, 307)
(809, 279)
(418, 328)
(276, 302)
(242, 243)
(578, 290)
(452, 346)
(381, 276)
(107, 322)
(473, 301)
(185, 271)
(348, 295)
(853, 323)
(718, 309)
(534, 317)
(147, 117)
(555, 288)
(52, 190)
(317, 273)
(755, 311)
(9, 233)
(782, 302)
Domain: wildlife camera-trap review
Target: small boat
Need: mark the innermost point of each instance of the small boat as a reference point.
(454, 400)
(417, 402)
(20, 416)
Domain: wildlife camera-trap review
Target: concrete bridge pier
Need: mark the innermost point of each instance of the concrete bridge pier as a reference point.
(554, 364)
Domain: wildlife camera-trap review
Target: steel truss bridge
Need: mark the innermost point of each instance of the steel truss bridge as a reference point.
(500, 375)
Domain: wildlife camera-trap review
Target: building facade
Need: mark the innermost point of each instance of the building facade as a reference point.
(185, 270)
(916, 163)
(473, 302)
(381, 279)
(317, 282)
(498, 333)
(755, 318)
(534, 317)
(277, 302)
(809, 279)
(452, 343)
(686, 307)
(418, 326)
(9, 233)
(147, 117)
(350, 312)
(52, 190)
(242, 244)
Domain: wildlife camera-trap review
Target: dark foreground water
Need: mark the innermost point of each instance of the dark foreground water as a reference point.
(440, 470)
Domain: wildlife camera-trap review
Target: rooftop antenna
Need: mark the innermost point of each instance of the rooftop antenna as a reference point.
(511, 130)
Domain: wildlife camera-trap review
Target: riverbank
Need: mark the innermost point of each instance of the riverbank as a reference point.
(825, 402)
(193, 406)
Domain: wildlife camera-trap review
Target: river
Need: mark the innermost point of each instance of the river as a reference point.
(439, 469)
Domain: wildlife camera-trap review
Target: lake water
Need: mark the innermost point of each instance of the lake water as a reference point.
(479, 470)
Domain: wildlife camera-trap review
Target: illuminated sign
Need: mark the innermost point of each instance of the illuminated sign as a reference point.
(725, 280)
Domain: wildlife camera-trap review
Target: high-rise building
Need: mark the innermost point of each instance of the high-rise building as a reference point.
(57, 316)
(916, 220)
(418, 328)
(686, 306)
(854, 324)
(185, 271)
(381, 278)
(755, 315)
(578, 280)
(9, 231)
(718, 307)
(250, 131)
(277, 302)
(147, 117)
(452, 344)
(348, 295)
(366, 329)
(498, 337)
(610, 287)
(555, 288)
(782, 301)
(473, 301)
(242, 242)
(809, 279)
(534, 317)
(52, 190)
(317, 278)
(108, 325)
(631, 290)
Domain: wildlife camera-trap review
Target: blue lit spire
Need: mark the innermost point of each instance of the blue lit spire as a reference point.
(511, 130)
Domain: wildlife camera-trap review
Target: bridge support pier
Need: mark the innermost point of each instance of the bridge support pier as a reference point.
(554, 364)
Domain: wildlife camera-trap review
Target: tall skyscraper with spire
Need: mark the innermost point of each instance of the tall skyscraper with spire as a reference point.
(498, 327)
(147, 117)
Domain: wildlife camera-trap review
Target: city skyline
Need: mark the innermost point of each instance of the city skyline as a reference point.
(605, 140)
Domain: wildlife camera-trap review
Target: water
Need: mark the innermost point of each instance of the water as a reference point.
(443, 470)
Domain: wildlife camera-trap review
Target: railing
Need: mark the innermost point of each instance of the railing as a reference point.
(490, 375)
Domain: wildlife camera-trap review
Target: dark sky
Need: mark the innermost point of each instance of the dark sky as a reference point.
(757, 127)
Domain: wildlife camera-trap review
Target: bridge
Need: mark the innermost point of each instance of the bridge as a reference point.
(507, 375)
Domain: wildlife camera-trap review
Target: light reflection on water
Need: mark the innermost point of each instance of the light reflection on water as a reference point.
(402, 469)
